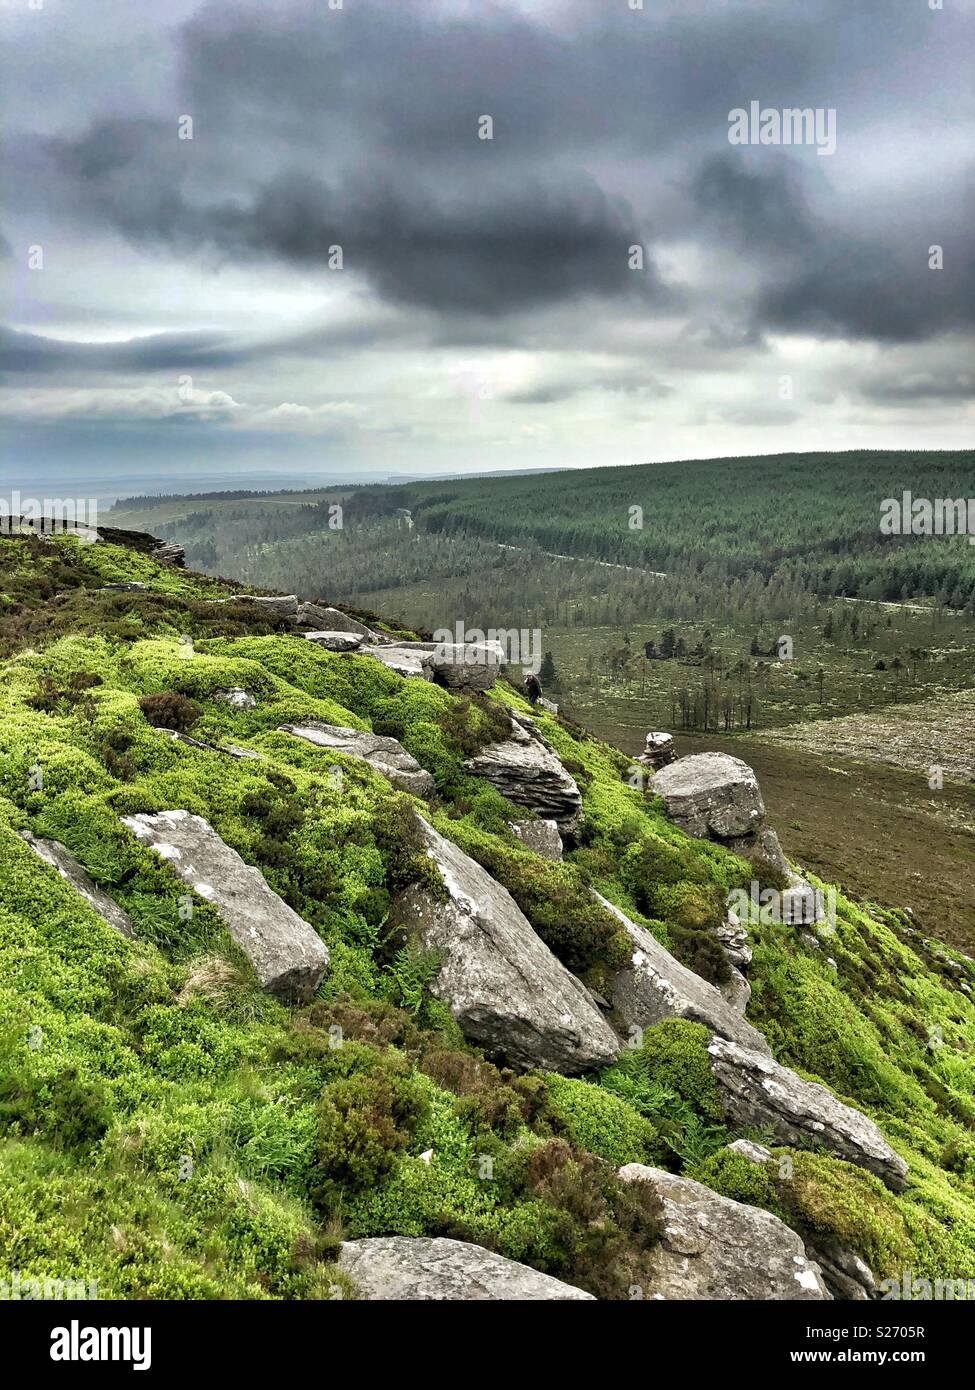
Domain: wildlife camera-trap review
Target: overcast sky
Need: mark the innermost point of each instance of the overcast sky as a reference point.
(186, 322)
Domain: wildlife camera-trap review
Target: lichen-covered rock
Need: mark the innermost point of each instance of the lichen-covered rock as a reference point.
(655, 986)
(60, 858)
(756, 1091)
(711, 794)
(288, 955)
(386, 755)
(421, 1268)
(713, 1248)
(335, 641)
(506, 989)
(733, 937)
(526, 770)
(236, 698)
(542, 836)
(736, 990)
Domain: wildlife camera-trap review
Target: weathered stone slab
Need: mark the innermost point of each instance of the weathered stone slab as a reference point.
(542, 836)
(287, 953)
(655, 986)
(506, 989)
(336, 641)
(756, 1091)
(60, 858)
(526, 771)
(422, 1268)
(386, 755)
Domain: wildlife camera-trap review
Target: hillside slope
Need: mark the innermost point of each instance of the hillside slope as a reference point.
(171, 1130)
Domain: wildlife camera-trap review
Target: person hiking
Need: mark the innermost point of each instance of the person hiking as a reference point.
(533, 688)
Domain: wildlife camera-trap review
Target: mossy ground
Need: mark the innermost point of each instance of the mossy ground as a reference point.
(168, 1130)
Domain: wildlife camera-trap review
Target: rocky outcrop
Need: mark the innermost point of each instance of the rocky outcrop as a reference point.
(286, 952)
(335, 641)
(506, 989)
(756, 1091)
(711, 794)
(384, 754)
(419, 1268)
(236, 698)
(655, 986)
(526, 770)
(60, 858)
(734, 941)
(714, 1248)
(845, 1274)
(736, 990)
(281, 605)
(323, 618)
(762, 847)
(541, 836)
(659, 752)
(400, 660)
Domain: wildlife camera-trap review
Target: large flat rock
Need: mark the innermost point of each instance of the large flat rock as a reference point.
(716, 1249)
(287, 953)
(401, 660)
(655, 986)
(386, 755)
(421, 1268)
(756, 1091)
(60, 858)
(711, 794)
(527, 771)
(508, 992)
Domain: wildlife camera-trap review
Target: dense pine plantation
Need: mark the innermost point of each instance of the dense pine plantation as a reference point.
(170, 1131)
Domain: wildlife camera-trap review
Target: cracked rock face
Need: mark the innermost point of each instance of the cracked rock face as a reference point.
(655, 986)
(60, 858)
(755, 1090)
(526, 770)
(403, 1268)
(287, 953)
(542, 836)
(711, 794)
(324, 618)
(386, 755)
(714, 1248)
(506, 989)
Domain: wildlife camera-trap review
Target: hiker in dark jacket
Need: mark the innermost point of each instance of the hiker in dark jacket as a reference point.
(533, 688)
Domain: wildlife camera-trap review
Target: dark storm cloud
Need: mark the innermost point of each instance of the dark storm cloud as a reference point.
(31, 352)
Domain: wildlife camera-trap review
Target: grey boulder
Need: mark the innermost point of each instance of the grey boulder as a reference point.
(541, 836)
(326, 619)
(400, 660)
(281, 605)
(505, 988)
(655, 986)
(716, 1249)
(421, 1268)
(711, 794)
(384, 754)
(336, 641)
(236, 698)
(286, 952)
(525, 769)
(60, 858)
(756, 1091)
